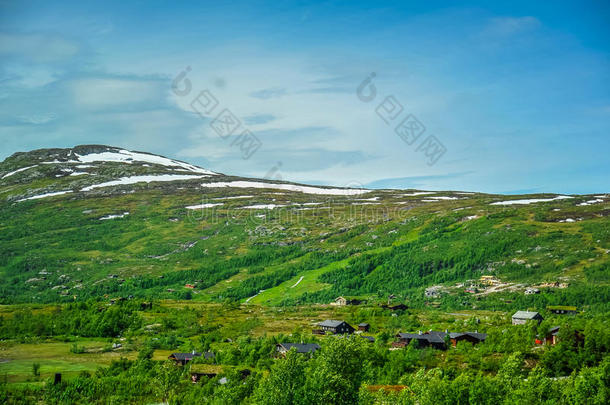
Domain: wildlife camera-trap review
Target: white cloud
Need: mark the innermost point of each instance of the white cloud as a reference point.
(37, 119)
(37, 48)
(110, 92)
(28, 75)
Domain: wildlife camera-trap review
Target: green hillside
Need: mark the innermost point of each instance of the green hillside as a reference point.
(120, 228)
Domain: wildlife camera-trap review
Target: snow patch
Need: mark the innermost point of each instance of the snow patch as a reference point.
(201, 206)
(234, 197)
(58, 161)
(289, 187)
(262, 206)
(18, 171)
(36, 197)
(597, 200)
(123, 215)
(143, 179)
(125, 156)
(443, 198)
(419, 193)
(530, 200)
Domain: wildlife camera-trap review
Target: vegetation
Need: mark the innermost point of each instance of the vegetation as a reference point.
(104, 300)
(506, 368)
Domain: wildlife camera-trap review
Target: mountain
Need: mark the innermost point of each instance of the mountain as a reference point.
(98, 221)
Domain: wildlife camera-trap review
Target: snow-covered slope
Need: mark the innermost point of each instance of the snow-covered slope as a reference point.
(96, 169)
(91, 171)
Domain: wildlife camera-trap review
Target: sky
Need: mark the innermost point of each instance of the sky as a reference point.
(501, 97)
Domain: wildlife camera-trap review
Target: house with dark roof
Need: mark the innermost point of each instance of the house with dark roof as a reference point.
(472, 337)
(183, 358)
(576, 337)
(428, 339)
(309, 348)
(335, 327)
(523, 317)
(364, 327)
(438, 339)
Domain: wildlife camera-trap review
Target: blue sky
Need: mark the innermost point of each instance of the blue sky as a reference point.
(517, 93)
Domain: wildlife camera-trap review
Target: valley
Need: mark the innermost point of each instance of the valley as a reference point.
(93, 235)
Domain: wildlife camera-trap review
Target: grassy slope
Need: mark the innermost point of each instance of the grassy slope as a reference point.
(220, 250)
(61, 235)
(310, 283)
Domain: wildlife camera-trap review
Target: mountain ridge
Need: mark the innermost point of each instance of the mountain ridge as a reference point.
(19, 162)
(102, 156)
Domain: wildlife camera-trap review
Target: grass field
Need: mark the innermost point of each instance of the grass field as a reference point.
(16, 359)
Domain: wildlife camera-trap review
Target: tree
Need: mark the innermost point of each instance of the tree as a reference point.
(284, 385)
(146, 353)
(336, 374)
(166, 379)
(589, 386)
(485, 390)
(511, 371)
(537, 388)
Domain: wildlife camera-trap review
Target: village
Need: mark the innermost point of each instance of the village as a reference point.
(204, 365)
